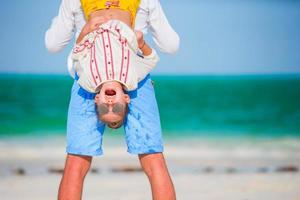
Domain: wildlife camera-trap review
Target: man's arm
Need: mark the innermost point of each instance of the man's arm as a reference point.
(62, 28)
(151, 15)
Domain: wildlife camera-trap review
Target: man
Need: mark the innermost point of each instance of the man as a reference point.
(142, 126)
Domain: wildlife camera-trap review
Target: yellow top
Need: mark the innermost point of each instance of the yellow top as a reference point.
(90, 6)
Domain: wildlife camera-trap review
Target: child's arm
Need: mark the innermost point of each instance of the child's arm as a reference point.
(149, 59)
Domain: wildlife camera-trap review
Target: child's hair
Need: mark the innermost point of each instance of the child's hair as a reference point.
(113, 125)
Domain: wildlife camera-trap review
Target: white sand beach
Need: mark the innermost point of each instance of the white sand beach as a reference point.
(201, 169)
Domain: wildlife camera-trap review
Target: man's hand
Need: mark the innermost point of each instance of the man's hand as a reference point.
(91, 25)
(96, 21)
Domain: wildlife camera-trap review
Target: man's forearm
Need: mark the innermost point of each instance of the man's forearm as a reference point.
(61, 30)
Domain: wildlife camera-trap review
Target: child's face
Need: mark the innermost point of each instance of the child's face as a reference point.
(112, 103)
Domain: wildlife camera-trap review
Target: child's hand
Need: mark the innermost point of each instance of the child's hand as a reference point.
(140, 39)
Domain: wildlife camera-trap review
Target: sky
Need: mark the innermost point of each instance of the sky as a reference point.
(217, 37)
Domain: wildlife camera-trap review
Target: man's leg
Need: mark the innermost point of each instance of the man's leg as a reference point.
(155, 167)
(143, 137)
(71, 184)
(84, 140)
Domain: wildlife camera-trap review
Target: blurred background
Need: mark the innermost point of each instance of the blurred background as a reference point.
(237, 70)
(228, 99)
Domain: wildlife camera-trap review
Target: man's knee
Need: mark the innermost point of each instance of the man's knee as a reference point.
(153, 163)
(77, 163)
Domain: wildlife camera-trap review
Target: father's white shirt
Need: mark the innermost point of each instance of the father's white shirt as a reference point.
(70, 19)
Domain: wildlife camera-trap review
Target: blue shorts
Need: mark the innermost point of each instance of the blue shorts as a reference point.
(142, 124)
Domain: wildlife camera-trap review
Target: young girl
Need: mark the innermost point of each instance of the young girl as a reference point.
(107, 59)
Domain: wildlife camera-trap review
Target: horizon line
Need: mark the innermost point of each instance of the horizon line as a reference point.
(165, 74)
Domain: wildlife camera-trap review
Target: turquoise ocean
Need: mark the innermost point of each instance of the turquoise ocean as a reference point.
(254, 106)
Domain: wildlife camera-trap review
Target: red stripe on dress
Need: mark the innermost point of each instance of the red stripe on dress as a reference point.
(111, 56)
(128, 56)
(105, 59)
(122, 44)
(91, 67)
(122, 62)
(95, 60)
